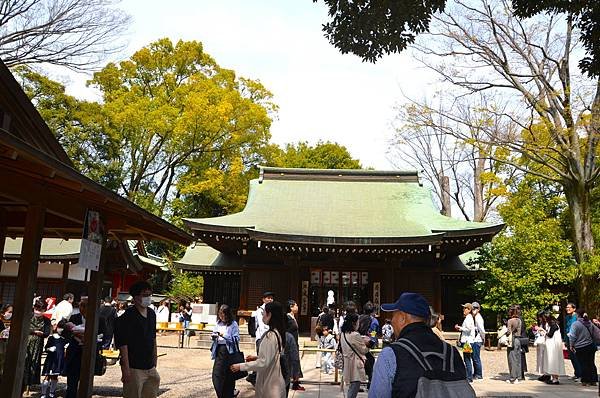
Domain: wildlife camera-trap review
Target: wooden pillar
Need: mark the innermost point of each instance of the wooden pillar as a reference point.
(437, 285)
(90, 343)
(65, 276)
(389, 275)
(12, 378)
(293, 267)
(244, 289)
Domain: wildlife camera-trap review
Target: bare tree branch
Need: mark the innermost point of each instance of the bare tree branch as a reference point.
(77, 34)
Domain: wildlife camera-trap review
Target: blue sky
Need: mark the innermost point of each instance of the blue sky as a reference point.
(322, 94)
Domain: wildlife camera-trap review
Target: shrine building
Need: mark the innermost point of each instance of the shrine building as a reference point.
(362, 234)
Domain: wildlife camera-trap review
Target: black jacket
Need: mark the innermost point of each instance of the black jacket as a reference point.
(107, 316)
(408, 371)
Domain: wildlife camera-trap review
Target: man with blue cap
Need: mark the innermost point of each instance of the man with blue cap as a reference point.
(397, 372)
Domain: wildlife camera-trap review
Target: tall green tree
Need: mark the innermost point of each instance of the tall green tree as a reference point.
(79, 126)
(323, 155)
(530, 263)
(172, 108)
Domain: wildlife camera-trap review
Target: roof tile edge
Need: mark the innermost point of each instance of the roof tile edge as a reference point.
(280, 173)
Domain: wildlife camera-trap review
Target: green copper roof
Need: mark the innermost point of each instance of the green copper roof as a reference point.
(319, 203)
(200, 256)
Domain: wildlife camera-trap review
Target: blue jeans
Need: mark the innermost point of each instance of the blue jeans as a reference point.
(469, 365)
(477, 369)
(353, 389)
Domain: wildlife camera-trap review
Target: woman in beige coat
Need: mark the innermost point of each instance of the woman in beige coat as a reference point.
(354, 349)
(269, 379)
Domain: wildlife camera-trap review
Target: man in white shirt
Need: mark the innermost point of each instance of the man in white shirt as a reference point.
(63, 310)
(477, 341)
(261, 326)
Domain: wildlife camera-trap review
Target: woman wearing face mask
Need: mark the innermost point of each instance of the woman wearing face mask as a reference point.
(5, 316)
(270, 382)
(54, 364)
(39, 329)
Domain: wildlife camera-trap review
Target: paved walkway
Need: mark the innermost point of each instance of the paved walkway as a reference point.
(186, 373)
(493, 386)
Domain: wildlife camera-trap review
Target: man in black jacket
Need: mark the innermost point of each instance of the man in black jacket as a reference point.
(396, 372)
(107, 317)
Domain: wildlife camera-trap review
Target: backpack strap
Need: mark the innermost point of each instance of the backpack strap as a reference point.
(278, 340)
(414, 351)
(448, 358)
(352, 348)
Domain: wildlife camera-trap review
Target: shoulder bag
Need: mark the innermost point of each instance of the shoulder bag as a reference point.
(237, 357)
(338, 361)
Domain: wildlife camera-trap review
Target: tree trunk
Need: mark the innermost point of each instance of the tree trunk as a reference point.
(478, 213)
(445, 199)
(578, 198)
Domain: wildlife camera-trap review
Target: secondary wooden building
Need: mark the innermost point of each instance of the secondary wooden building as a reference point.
(59, 271)
(354, 234)
(43, 196)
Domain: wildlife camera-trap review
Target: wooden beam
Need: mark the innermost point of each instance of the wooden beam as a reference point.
(90, 344)
(12, 378)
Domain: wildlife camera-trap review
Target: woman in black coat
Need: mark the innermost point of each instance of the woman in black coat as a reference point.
(292, 328)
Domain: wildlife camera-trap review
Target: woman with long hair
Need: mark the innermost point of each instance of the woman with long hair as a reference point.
(554, 363)
(226, 337)
(270, 382)
(292, 328)
(39, 329)
(513, 350)
(354, 349)
(435, 323)
(539, 331)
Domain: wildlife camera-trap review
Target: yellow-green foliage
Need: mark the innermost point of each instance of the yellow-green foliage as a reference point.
(185, 286)
(531, 262)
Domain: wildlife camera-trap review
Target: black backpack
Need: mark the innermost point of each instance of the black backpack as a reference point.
(435, 382)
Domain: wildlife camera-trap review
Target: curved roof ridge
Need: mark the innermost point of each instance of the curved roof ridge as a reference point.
(281, 173)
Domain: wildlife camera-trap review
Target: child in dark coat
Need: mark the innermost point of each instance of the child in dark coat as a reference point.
(55, 360)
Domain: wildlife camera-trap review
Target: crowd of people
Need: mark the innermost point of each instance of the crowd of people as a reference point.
(412, 345)
(346, 342)
(58, 331)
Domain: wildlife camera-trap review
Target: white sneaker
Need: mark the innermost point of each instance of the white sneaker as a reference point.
(517, 381)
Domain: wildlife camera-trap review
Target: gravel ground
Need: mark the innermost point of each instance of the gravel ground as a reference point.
(187, 373)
